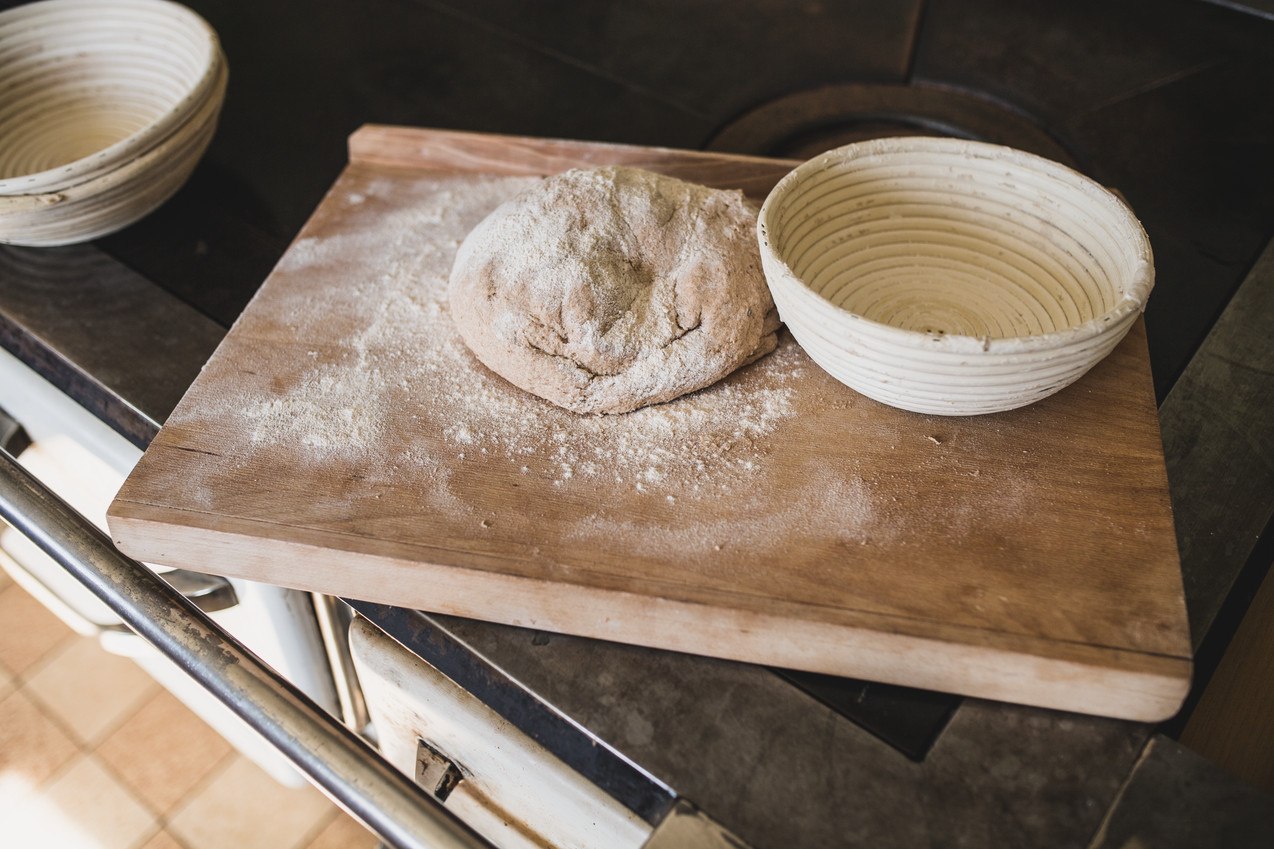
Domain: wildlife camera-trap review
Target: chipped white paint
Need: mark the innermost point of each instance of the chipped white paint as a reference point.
(513, 791)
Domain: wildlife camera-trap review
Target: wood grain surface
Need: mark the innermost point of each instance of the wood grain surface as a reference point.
(340, 440)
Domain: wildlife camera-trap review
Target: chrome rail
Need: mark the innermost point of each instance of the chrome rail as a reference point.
(336, 760)
(333, 617)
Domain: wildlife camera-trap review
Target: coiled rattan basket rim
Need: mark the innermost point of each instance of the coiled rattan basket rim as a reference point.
(1134, 291)
(94, 164)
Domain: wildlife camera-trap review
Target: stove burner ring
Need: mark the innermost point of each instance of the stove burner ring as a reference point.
(806, 123)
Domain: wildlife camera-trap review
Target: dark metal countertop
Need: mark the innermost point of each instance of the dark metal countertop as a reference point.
(1167, 101)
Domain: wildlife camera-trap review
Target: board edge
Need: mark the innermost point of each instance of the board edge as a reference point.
(1117, 683)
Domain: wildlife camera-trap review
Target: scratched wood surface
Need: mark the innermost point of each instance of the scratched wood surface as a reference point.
(1027, 556)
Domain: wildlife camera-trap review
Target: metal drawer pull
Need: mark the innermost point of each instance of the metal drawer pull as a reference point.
(207, 592)
(332, 757)
(435, 772)
(13, 438)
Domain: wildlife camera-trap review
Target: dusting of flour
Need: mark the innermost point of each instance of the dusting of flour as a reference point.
(387, 357)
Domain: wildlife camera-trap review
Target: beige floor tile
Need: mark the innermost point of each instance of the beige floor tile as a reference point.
(163, 751)
(28, 631)
(163, 840)
(89, 689)
(32, 747)
(244, 808)
(344, 832)
(6, 682)
(5, 580)
(84, 807)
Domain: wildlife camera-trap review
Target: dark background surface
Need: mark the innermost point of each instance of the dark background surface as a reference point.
(1169, 101)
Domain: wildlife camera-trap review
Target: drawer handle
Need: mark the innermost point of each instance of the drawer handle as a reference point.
(436, 772)
(209, 593)
(13, 438)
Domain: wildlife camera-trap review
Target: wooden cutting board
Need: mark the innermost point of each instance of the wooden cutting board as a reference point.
(343, 440)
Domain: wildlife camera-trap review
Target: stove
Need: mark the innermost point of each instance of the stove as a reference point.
(1165, 100)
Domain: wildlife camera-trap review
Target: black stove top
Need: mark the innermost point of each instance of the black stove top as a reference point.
(1165, 100)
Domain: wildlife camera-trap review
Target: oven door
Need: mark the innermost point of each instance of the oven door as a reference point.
(502, 783)
(81, 459)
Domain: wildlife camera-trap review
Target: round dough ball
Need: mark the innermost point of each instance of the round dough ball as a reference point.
(604, 290)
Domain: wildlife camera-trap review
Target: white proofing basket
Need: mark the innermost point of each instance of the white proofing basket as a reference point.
(105, 108)
(952, 277)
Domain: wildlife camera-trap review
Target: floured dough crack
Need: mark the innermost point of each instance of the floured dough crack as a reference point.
(605, 290)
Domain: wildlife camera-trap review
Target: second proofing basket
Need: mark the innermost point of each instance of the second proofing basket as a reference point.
(105, 109)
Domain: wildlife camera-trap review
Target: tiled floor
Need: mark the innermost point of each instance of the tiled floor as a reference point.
(95, 755)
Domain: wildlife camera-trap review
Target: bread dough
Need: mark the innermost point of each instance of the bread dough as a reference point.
(604, 290)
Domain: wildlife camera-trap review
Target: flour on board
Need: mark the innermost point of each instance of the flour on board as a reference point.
(397, 362)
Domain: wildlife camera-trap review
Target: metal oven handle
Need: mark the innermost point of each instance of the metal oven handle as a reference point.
(335, 759)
